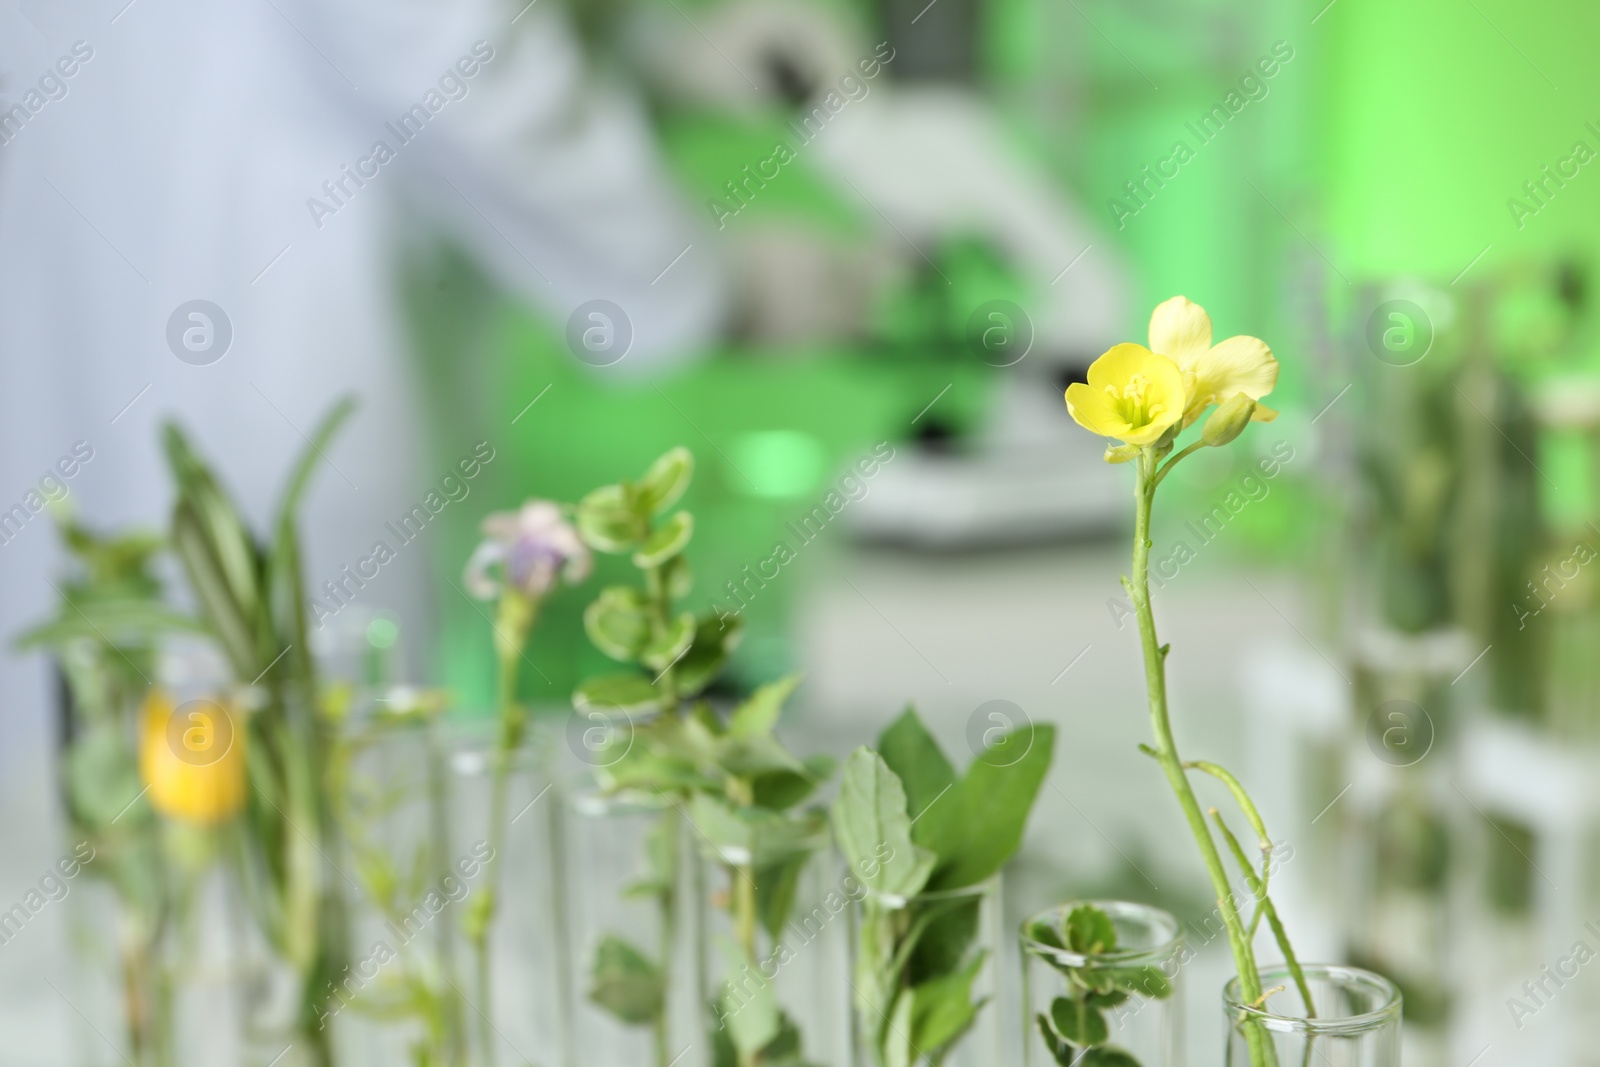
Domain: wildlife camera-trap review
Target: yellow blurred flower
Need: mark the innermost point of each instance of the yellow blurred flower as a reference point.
(1181, 330)
(192, 758)
(1133, 395)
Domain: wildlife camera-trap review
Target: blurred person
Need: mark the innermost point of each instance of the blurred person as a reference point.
(274, 159)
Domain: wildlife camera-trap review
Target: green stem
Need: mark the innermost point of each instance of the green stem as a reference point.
(452, 1041)
(1259, 888)
(660, 597)
(744, 886)
(508, 739)
(668, 901)
(1161, 474)
(1167, 755)
(742, 878)
(558, 901)
(516, 618)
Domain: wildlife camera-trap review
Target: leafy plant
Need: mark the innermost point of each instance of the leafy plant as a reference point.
(727, 780)
(1075, 1030)
(1145, 398)
(525, 554)
(673, 654)
(925, 843)
(418, 985)
(251, 596)
(104, 639)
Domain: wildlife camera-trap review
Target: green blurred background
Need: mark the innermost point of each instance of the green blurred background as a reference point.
(1387, 147)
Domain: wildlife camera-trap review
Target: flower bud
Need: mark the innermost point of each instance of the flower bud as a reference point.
(1229, 420)
(1121, 453)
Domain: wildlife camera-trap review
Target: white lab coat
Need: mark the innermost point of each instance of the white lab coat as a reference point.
(184, 158)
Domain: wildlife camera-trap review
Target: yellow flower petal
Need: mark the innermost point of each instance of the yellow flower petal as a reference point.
(1133, 395)
(195, 768)
(1180, 329)
(1237, 365)
(1093, 409)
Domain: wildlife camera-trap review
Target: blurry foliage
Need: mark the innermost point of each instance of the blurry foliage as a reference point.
(1507, 870)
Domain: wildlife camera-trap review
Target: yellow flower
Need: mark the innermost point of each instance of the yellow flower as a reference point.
(192, 758)
(1181, 330)
(1133, 395)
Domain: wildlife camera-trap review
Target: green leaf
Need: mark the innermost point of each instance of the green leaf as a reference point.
(1046, 934)
(670, 645)
(666, 480)
(692, 738)
(667, 542)
(1090, 931)
(306, 464)
(1107, 1000)
(949, 932)
(776, 885)
(752, 757)
(607, 521)
(714, 642)
(237, 623)
(873, 830)
(1060, 1051)
(1078, 1021)
(629, 693)
(749, 1006)
(102, 779)
(785, 789)
(118, 622)
(678, 577)
(1108, 1057)
(1143, 981)
(723, 1054)
(785, 1048)
(658, 863)
(627, 983)
(943, 1009)
(758, 715)
(748, 837)
(218, 523)
(996, 800)
(896, 1033)
(618, 622)
(912, 753)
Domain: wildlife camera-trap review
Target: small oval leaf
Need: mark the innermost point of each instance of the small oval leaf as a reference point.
(631, 693)
(666, 542)
(666, 480)
(606, 522)
(617, 623)
(669, 646)
(1079, 1022)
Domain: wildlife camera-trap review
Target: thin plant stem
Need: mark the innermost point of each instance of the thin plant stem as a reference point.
(742, 879)
(744, 885)
(1167, 755)
(508, 739)
(668, 900)
(558, 902)
(1264, 905)
(453, 1039)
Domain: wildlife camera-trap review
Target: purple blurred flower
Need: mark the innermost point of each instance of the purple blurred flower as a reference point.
(530, 550)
